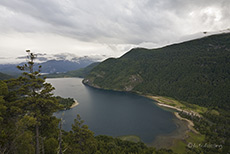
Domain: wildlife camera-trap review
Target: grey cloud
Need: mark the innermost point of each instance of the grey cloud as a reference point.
(115, 21)
(22, 57)
(40, 57)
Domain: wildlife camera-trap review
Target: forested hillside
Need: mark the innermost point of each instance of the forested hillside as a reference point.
(196, 71)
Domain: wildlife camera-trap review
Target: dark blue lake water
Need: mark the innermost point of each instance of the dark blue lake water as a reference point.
(113, 113)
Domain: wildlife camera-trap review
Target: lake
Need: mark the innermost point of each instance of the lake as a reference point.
(113, 113)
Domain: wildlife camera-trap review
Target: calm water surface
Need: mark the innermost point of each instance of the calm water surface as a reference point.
(113, 113)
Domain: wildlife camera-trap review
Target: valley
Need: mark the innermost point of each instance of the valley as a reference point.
(189, 81)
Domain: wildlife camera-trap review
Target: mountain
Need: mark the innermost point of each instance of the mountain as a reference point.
(53, 66)
(10, 69)
(4, 76)
(50, 66)
(196, 71)
(82, 72)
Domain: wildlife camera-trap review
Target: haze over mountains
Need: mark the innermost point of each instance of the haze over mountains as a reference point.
(4, 76)
(59, 63)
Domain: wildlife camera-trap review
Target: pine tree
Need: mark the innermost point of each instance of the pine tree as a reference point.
(80, 139)
(36, 96)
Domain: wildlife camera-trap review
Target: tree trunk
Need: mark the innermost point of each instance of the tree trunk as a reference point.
(60, 138)
(43, 148)
(37, 149)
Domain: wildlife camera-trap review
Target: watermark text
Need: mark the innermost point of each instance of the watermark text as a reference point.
(204, 145)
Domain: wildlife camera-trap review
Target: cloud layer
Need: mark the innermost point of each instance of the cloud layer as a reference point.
(113, 26)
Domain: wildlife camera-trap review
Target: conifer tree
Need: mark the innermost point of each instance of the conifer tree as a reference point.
(80, 140)
(37, 97)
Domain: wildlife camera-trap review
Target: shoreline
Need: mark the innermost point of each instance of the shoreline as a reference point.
(184, 126)
(168, 106)
(168, 140)
(190, 123)
(176, 114)
(74, 104)
(161, 103)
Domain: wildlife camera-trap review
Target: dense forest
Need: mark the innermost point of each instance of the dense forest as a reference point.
(27, 124)
(194, 72)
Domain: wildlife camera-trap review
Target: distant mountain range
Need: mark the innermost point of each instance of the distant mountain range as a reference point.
(82, 72)
(196, 71)
(5, 76)
(51, 66)
(60, 66)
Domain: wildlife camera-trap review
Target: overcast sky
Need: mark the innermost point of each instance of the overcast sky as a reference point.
(103, 27)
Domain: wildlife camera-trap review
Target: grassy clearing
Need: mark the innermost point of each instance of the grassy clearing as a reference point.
(195, 138)
(131, 138)
(195, 108)
(180, 145)
(179, 104)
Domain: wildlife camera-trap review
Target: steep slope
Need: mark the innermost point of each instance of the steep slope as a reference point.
(196, 71)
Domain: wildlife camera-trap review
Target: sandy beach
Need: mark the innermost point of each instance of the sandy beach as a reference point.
(168, 106)
(161, 103)
(74, 104)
